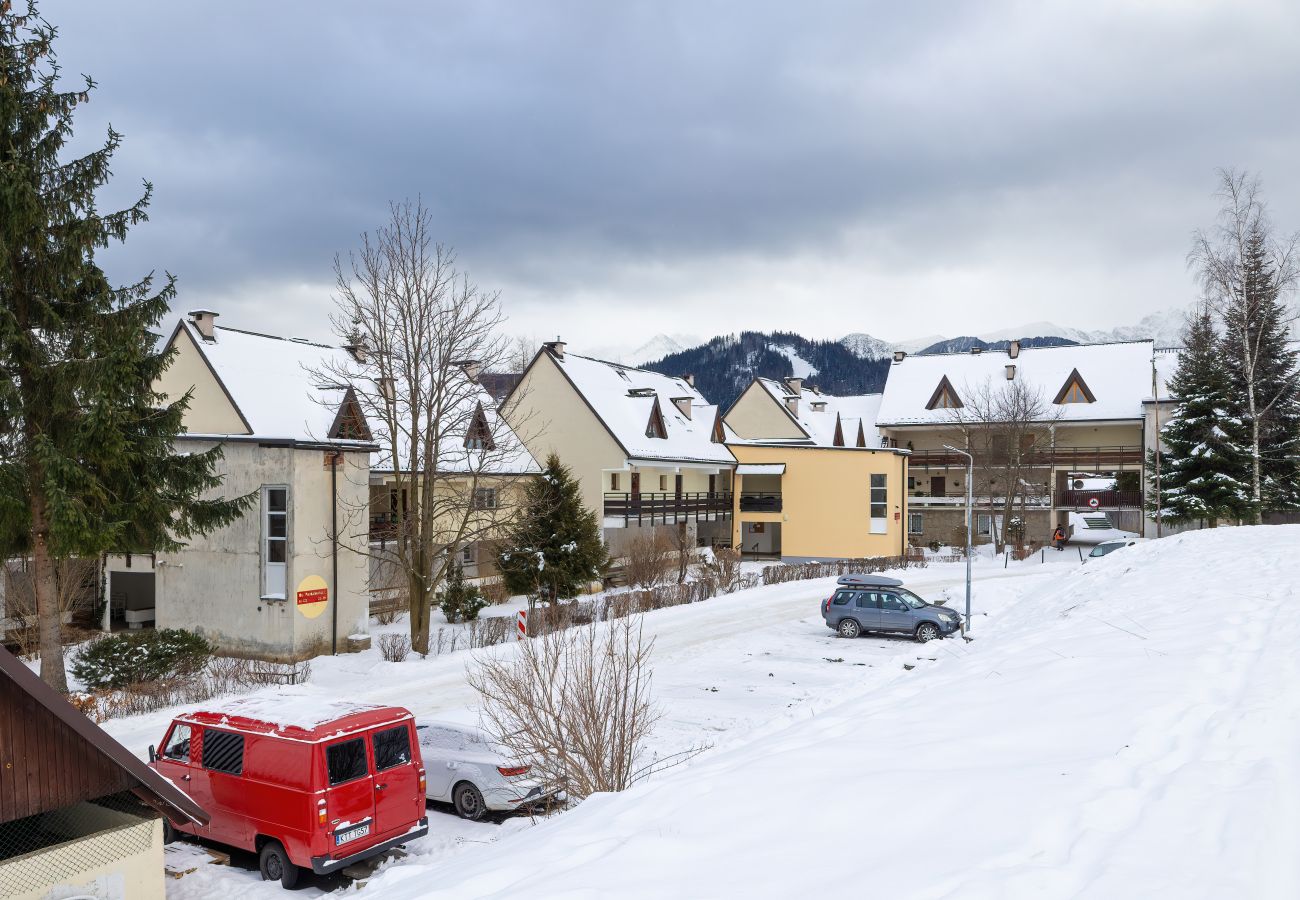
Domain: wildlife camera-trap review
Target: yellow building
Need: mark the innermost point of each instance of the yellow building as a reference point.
(812, 480)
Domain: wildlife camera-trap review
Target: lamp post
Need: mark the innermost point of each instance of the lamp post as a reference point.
(970, 504)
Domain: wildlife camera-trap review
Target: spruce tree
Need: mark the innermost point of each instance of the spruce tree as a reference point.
(555, 548)
(86, 446)
(1205, 469)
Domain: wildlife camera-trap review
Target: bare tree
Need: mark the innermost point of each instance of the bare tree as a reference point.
(683, 541)
(649, 557)
(420, 332)
(1007, 427)
(1245, 269)
(574, 705)
(522, 350)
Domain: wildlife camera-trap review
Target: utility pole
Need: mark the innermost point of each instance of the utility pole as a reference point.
(970, 505)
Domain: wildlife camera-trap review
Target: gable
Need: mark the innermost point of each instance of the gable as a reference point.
(350, 422)
(944, 396)
(839, 431)
(655, 428)
(1075, 390)
(757, 415)
(862, 435)
(478, 436)
(211, 410)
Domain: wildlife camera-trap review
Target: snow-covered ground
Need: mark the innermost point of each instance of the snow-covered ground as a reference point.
(1122, 728)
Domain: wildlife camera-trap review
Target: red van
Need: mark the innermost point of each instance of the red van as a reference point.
(302, 782)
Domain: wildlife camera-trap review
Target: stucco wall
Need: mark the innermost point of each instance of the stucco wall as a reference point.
(756, 415)
(210, 411)
(825, 495)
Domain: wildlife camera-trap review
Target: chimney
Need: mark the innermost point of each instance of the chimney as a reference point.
(358, 350)
(472, 368)
(1011, 372)
(794, 384)
(818, 405)
(683, 404)
(792, 404)
(1013, 349)
(205, 320)
(976, 351)
(689, 378)
(556, 347)
(387, 388)
(900, 355)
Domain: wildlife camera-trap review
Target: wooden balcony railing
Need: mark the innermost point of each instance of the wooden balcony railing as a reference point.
(1080, 459)
(1105, 499)
(760, 501)
(656, 508)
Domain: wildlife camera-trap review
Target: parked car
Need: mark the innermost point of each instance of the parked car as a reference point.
(876, 603)
(467, 769)
(301, 783)
(1106, 547)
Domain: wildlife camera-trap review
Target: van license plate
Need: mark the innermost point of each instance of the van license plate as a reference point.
(351, 834)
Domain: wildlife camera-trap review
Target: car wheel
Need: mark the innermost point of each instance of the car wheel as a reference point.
(848, 628)
(468, 802)
(275, 865)
(926, 632)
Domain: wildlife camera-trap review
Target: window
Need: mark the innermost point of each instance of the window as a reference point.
(915, 523)
(866, 600)
(1074, 394)
(663, 482)
(879, 504)
(655, 428)
(485, 498)
(275, 540)
(178, 744)
(983, 524)
(613, 481)
(346, 761)
(893, 603)
(1075, 390)
(479, 434)
(944, 396)
(909, 598)
(842, 598)
(392, 748)
(223, 751)
(467, 553)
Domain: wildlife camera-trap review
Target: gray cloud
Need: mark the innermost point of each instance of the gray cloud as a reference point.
(645, 167)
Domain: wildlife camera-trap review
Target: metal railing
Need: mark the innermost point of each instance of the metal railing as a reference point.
(760, 501)
(1105, 499)
(1083, 459)
(667, 507)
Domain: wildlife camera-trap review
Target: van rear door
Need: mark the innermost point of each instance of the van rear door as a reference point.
(350, 796)
(399, 804)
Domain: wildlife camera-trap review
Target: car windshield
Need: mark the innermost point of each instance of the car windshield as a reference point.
(1102, 549)
(910, 599)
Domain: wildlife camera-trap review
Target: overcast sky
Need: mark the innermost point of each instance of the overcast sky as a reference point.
(622, 169)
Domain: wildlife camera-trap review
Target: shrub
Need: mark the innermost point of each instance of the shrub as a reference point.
(394, 647)
(142, 656)
(461, 602)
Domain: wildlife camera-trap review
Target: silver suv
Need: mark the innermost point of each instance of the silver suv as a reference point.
(876, 603)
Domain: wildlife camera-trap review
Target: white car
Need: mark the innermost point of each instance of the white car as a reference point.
(1106, 547)
(465, 768)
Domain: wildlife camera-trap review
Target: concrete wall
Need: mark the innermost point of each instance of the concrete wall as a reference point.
(825, 495)
(210, 410)
(756, 415)
(121, 860)
(214, 585)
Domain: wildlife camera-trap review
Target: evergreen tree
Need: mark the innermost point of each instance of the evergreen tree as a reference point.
(86, 454)
(556, 547)
(1205, 470)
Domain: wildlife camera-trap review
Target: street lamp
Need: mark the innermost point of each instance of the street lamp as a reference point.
(970, 475)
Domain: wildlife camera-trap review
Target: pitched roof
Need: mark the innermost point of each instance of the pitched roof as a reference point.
(63, 732)
(273, 384)
(1118, 375)
(623, 399)
(818, 414)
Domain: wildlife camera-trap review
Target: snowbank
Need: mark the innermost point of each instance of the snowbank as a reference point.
(1129, 731)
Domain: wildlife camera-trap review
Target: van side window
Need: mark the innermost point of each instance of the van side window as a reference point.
(223, 751)
(392, 747)
(346, 761)
(178, 743)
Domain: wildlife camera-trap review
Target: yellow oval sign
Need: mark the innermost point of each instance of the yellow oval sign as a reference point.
(313, 596)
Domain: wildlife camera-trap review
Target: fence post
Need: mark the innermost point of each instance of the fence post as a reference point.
(1042, 555)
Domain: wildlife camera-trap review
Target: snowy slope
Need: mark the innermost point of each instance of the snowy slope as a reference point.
(657, 347)
(1119, 732)
(867, 347)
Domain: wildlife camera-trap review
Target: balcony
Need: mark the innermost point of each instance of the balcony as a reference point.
(665, 508)
(760, 501)
(1081, 500)
(1081, 459)
(958, 501)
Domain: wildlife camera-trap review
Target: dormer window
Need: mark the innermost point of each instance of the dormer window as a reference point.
(479, 435)
(944, 396)
(1075, 390)
(839, 431)
(350, 422)
(656, 428)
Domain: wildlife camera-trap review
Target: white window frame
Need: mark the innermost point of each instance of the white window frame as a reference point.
(484, 498)
(984, 524)
(879, 524)
(467, 554)
(919, 519)
(275, 575)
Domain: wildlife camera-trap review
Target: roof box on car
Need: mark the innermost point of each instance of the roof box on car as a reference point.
(869, 581)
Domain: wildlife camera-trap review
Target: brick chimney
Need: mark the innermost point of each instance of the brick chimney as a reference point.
(205, 320)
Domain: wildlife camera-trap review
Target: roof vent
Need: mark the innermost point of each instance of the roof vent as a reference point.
(795, 385)
(205, 320)
(1013, 349)
(641, 392)
(556, 348)
(683, 405)
(818, 405)
(900, 355)
(1011, 372)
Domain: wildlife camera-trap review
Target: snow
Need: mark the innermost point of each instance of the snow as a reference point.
(1119, 376)
(864, 346)
(290, 708)
(799, 367)
(817, 414)
(607, 388)
(656, 348)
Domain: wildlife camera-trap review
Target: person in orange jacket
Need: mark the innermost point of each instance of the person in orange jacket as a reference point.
(1058, 538)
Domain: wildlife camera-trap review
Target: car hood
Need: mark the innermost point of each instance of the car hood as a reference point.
(942, 609)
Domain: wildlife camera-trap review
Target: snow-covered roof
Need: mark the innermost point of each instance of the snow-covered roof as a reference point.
(276, 384)
(1166, 362)
(624, 399)
(817, 414)
(1117, 375)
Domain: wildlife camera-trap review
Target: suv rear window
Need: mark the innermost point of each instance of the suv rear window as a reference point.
(346, 761)
(392, 748)
(842, 598)
(223, 751)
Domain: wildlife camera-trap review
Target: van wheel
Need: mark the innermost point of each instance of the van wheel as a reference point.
(275, 865)
(926, 632)
(469, 802)
(169, 832)
(849, 629)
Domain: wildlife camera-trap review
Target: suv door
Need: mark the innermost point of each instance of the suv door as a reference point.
(866, 610)
(397, 780)
(349, 796)
(895, 615)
